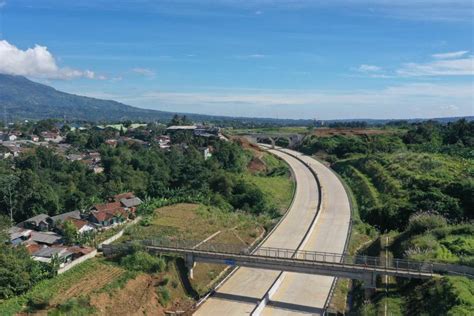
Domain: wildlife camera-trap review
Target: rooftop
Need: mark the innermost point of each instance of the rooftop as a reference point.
(64, 216)
(131, 202)
(182, 127)
(48, 238)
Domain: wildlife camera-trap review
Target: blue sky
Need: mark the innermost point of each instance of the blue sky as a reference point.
(265, 58)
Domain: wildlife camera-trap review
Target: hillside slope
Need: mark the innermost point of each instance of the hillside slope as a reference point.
(25, 99)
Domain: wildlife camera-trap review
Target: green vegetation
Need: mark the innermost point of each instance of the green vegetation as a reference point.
(416, 183)
(18, 272)
(163, 295)
(445, 296)
(43, 181)
(44, 292)
(75, 307)
(143, 261)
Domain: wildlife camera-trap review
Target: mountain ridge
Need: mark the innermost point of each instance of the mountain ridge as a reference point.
(24, 99)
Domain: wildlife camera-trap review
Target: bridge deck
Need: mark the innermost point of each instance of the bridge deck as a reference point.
(310, 262)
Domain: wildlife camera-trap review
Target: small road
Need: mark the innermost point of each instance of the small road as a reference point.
(293, 293)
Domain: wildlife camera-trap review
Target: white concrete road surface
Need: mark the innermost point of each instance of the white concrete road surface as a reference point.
(302, 294)
(298, 293)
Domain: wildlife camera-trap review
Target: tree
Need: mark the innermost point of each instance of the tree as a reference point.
(9, 192)
(69, 232)
(4, 226)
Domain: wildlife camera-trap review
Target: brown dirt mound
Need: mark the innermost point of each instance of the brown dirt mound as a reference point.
(242, 141)
(257, 165)
(138, 297)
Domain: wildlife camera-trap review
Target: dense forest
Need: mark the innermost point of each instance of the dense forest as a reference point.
(414, 184)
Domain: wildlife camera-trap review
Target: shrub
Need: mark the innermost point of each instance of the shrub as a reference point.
(74, 307)
(143, 261)
(163, 295)
(165, 281)
(421, 222)
(39, 300)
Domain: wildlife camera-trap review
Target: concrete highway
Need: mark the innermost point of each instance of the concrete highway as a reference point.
(300, 294)
(293, 293)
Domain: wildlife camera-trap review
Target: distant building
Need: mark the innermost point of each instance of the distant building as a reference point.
(12, 137)
(182, 128)
(75, 157)
(164, 141)
(111, 142)
(206, 151)
(54, 137)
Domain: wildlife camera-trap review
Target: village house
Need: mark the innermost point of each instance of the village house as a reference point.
(111, 142)
(46, 238)
(61, 218)
(46, 254)
(164, 141)
(206, 152)
(41, 222)
(94, 157)
(81, 225)
(128, 201)
(79, 251)
(75, 157)
(19, 235)
(50, 136)
(108, 214)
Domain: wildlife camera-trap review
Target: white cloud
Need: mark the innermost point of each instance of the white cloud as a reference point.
(37, 62)
(368, 68)
(443, 67)
(2, 4)
(144, 72)
(450, 55)
(251, 56)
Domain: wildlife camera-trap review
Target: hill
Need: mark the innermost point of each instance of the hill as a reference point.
(25, 99)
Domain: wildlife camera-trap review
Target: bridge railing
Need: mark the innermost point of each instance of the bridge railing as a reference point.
(312, 256)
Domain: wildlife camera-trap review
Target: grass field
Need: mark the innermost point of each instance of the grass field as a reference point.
(198, 222)
(275, 182)
(278, 189)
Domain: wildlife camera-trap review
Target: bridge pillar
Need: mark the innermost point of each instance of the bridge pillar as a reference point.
(370, 284)
(190, 263)
(272, 140)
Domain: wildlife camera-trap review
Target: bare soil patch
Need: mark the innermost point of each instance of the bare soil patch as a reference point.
(138, 297)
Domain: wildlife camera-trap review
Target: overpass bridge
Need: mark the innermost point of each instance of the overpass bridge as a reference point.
(292, 139)
(363, 268)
